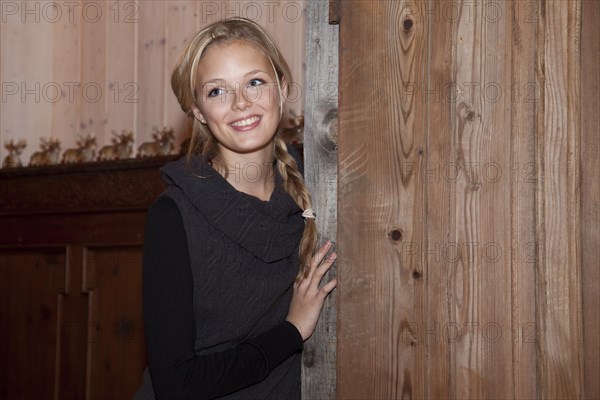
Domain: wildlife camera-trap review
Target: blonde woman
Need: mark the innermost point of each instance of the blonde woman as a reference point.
(232, 276)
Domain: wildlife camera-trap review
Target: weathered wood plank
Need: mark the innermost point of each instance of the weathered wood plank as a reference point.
(439, 219)
(382, 53)
(320, 172)
(590, 194)
(558, 289)
(479, 258)
(524, 95)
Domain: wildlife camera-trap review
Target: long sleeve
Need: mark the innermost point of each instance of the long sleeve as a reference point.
(169, 322)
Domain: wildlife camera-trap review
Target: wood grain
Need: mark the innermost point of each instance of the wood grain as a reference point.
(71, 330)
(501, 258)
(380, 203)
(122, 97)
(180, 28)
(521, 173)
(116, 345)
(559, 270)
(26, 107)
(66, 67)
(590, 194)
(31, 282)
(320, 173)
(439, 219)
(93, 87)
(151, 45)
(479, 330)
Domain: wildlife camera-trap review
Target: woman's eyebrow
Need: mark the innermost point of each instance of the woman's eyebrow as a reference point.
(254, 72)
(221, 80)
(216, 80)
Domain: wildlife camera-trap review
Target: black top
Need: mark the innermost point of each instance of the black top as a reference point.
(181, 364)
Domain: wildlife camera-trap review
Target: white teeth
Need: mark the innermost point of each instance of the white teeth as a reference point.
(246, 122)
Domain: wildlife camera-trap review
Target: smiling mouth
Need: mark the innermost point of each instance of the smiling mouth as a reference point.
(246, 122)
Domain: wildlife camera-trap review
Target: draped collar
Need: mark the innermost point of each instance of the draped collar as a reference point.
(270, 230)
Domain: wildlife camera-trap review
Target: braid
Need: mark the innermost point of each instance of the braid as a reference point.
(293, 184)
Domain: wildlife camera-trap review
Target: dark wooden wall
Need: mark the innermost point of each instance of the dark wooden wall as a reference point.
(70, 279)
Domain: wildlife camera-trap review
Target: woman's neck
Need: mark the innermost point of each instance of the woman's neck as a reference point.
(253, 174)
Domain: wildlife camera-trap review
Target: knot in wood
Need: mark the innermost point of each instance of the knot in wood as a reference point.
(395, 234)
(124, 327)
(309, 356)
(417, 275)
(408, 24)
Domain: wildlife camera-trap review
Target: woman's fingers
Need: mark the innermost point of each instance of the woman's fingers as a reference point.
(313, 280)
(328, 287)
(308, 298)
(318, 257)
(322, 269)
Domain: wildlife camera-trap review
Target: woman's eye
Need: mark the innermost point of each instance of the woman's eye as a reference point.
(256, 82)
(215, 92)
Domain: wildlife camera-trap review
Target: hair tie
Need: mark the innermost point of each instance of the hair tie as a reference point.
(308, 213)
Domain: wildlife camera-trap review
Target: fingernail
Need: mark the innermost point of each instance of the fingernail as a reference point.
(328, 244)
(332, 256)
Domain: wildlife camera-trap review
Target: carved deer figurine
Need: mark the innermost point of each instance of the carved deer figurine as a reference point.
(13, 160)
(120, 149)
(85, 151)
(162, 145)
(49, 153)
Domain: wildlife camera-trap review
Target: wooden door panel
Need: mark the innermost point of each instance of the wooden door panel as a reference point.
(31, 283)
(116, 348)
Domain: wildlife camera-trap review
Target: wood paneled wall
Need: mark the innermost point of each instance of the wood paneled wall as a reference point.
(84, 66)
(467, 200)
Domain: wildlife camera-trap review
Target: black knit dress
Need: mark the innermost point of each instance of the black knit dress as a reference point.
(218, 271)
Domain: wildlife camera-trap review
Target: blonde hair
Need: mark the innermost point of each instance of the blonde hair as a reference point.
(202, 142)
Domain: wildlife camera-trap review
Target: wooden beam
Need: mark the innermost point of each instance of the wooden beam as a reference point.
(590, 194)
(320, 172)
(383, 56)
(558, 288)
(524, 94)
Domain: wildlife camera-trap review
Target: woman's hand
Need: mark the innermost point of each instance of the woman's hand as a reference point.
(308, 297)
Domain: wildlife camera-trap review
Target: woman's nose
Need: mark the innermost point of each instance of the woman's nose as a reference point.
(240, 99)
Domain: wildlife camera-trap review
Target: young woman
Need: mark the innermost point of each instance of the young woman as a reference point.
(232, 276)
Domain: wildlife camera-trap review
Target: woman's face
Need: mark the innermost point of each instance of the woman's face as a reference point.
(238, 97)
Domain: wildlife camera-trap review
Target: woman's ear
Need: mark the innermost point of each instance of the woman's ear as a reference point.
(198, 114)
